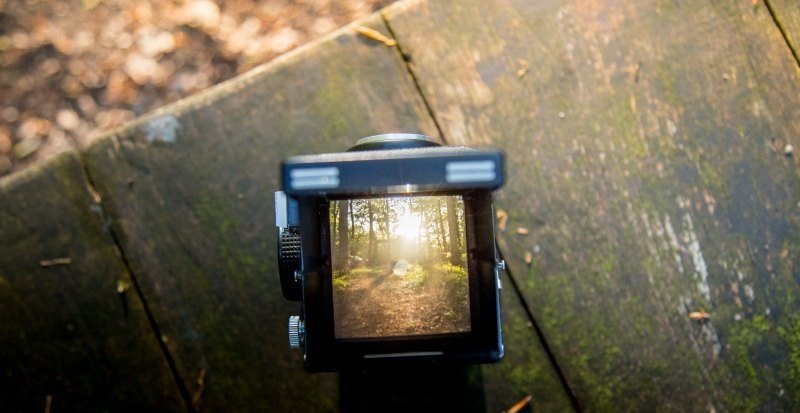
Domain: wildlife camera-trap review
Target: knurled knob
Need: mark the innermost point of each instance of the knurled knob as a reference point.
(290, 263)
(296, 331)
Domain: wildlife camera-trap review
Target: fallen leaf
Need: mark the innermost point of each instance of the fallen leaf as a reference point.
(55, 261)
(699, 315)
(25, 148)
(502, 219)
(524, 67)
(201, 386)
(520, 404)
(375, 35)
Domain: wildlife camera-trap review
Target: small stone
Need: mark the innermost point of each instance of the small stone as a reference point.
(788, 150)
(68, 119)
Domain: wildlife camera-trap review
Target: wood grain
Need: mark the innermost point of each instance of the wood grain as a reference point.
(646, 149)
(190, 191)
(68, 338)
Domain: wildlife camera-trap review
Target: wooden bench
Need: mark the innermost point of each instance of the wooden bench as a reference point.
(653, 208)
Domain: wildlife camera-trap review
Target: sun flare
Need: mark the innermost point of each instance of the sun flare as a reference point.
(408, 226)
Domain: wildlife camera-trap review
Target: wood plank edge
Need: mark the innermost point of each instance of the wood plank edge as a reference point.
(75, 159)
(23, 177)
(114, 238)
(405, 60)
(214, 93)
(787, 38)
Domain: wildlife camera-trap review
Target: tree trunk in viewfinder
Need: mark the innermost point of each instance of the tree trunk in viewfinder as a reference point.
(452, 223)
(343, 252)
(371, 248)
(442, 236)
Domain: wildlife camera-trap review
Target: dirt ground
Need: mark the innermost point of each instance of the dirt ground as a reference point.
(375, 302)
(71, 69)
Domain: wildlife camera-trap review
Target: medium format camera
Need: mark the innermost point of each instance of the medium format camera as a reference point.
(390, 247)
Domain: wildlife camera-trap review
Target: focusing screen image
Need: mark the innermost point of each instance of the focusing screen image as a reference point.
(399, 266)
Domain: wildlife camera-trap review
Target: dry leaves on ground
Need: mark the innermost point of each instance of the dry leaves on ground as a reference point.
(68, 69)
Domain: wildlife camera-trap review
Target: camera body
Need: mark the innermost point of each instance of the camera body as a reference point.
(390, 247)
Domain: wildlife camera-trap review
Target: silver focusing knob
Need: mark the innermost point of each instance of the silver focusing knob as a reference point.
(297, 331)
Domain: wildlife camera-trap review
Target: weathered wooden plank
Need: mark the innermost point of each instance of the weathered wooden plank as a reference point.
(189, 189)
(525, 370)
(787, 15)
(646, 159)
(65, 331)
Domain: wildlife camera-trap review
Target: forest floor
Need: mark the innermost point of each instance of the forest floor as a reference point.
(375, 302)
(70, 70)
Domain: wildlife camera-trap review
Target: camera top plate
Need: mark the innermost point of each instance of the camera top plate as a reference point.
(393, 171)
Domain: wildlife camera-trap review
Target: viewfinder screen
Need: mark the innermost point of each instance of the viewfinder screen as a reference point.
(399, 266)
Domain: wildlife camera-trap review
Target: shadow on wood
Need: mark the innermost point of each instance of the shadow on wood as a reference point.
(441, 388)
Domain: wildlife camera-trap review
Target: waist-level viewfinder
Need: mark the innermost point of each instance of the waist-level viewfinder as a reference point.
(390, 248)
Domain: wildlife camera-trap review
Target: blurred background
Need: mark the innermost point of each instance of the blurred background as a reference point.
(70, 70)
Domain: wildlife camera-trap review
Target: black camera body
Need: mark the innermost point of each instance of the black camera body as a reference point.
(390, 247)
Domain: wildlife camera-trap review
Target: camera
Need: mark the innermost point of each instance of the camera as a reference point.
(390, 248)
